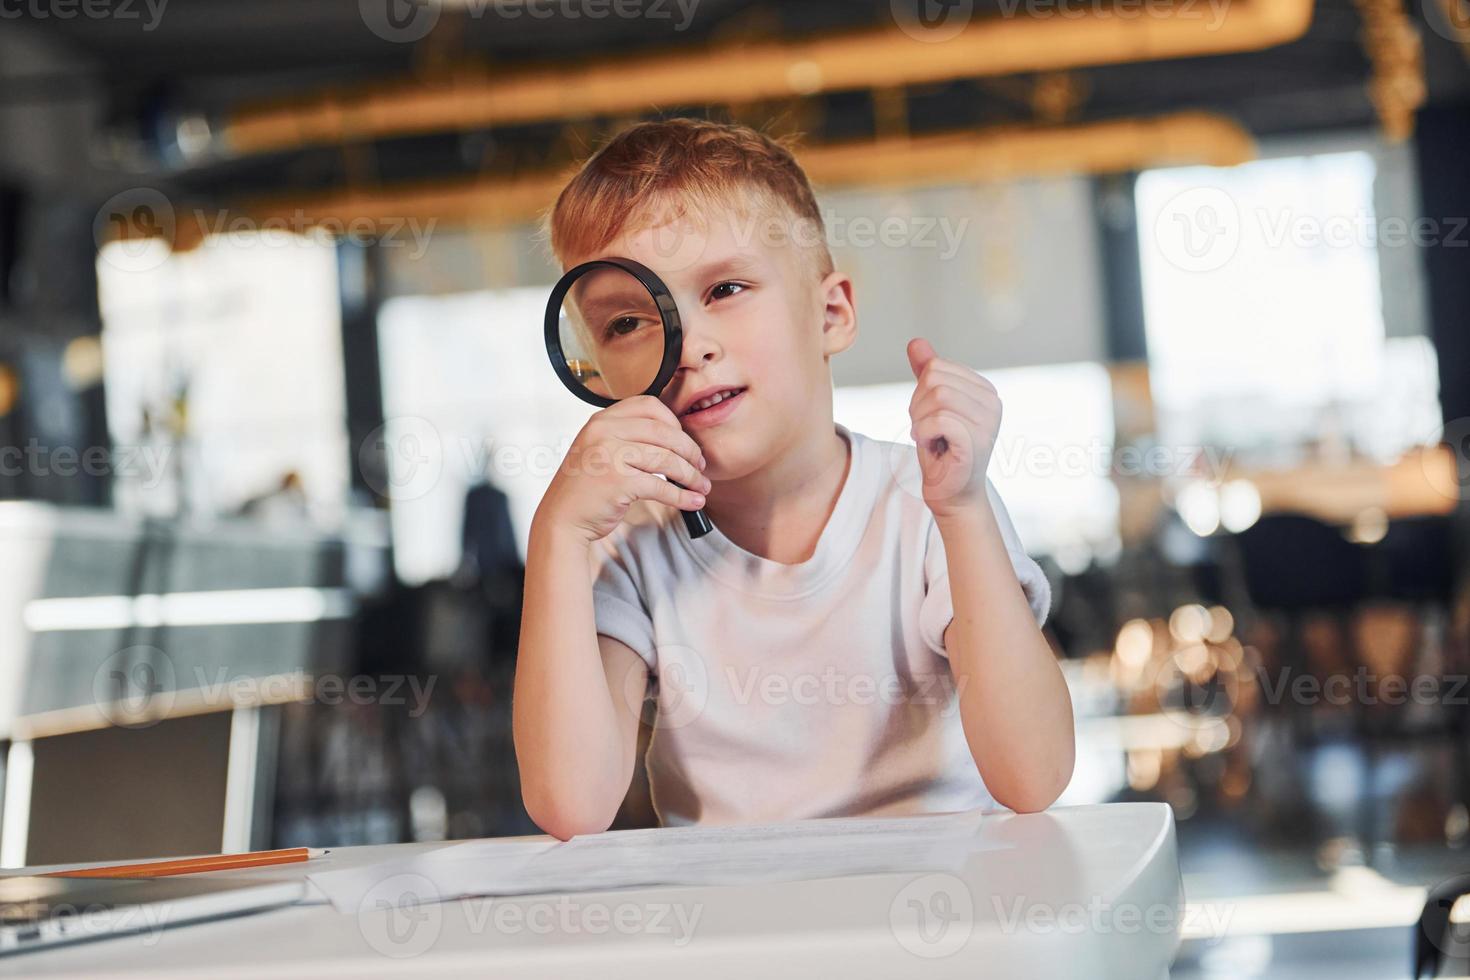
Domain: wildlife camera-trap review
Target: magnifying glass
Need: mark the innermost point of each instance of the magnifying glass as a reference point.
(613, 332)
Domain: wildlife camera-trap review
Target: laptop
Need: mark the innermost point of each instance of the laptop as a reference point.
(39, 912)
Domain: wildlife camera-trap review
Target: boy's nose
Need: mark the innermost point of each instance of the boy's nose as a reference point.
(699, 344)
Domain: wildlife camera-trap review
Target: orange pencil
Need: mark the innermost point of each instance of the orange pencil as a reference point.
(184, 866)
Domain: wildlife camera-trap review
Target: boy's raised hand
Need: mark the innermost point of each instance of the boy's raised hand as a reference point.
(613, 462)
(956, 417)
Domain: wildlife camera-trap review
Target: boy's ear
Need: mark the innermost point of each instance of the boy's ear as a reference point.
(839, 315)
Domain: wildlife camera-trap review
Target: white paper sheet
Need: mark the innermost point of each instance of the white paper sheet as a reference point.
(698, 855)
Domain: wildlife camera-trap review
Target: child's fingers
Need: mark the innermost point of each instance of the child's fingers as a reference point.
(943, 368)
(656, 459)
(646, 486)
(920, 353)
(657, 433)
(646, 406)
(944, 394)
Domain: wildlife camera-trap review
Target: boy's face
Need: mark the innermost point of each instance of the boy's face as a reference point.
(759, 318)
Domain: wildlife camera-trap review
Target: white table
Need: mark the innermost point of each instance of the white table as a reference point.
(1075, 892)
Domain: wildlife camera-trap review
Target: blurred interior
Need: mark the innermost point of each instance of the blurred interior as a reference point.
(276, 412)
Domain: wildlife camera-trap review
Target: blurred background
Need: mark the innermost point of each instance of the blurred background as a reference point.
(275, 412)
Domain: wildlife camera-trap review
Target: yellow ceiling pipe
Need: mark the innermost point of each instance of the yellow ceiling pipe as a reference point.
(998, 154)
(734, 72)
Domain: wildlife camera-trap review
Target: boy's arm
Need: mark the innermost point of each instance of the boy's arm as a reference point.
(1014, 703)
(575, 732)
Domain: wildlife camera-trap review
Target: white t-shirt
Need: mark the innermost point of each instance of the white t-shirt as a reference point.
(819, 689)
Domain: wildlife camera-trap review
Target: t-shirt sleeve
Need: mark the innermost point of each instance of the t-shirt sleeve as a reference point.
(937, 608)
(618, 605)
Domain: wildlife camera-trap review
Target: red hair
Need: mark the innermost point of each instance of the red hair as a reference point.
(660, 171)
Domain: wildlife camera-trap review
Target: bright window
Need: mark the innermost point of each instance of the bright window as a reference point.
(223, 370)
(1264, 312)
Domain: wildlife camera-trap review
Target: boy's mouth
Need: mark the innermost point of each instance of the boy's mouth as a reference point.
(712, 406)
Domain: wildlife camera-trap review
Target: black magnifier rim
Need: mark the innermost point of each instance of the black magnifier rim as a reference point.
(668, 312)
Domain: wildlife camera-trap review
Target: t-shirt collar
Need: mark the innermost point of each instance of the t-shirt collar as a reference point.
(751, 573)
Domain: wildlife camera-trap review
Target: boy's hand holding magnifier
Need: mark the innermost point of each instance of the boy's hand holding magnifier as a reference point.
(614, 339)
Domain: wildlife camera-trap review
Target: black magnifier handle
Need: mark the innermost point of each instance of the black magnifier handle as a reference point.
(694, 520)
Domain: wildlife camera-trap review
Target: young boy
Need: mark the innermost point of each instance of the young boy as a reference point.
(860, 634)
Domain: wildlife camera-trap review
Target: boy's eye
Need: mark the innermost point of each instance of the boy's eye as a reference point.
(621, 326)
(725, 289)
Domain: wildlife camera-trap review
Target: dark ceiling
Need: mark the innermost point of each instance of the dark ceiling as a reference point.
(208, 56)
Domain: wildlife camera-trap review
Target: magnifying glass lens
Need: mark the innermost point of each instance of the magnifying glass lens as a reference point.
(612, 334)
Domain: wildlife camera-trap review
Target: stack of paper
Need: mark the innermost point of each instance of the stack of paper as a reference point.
(674, 856)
